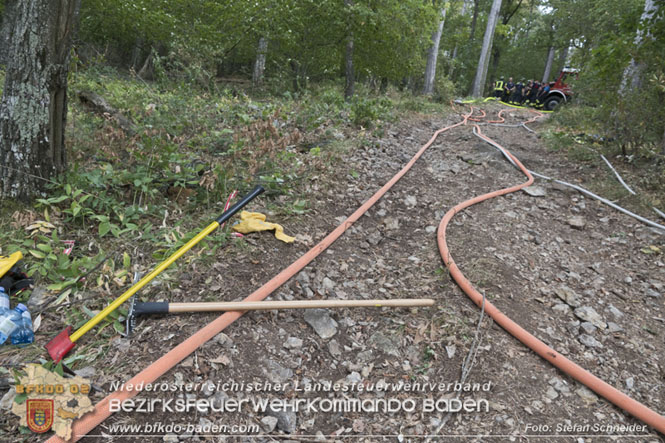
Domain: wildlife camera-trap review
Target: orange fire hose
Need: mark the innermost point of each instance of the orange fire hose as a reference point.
(91, 420)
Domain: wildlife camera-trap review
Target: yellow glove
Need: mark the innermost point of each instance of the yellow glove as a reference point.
(255, 221)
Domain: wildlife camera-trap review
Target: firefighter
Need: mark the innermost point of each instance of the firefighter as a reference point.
(508, 90)
(517, 97)
(542, 94)
(533, 92)
(498, 87)
(526, 91)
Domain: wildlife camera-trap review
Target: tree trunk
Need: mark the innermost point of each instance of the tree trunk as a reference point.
(34, 101)
(483, 61)
(432, 55)
(348, 59)
(295, 69)
(350, 78)
(548, 65)
(474, 21)
(453, 57)
(8, 18)
(632, 75)
(260, 63)
(563, 57)
(496, 56)
(384, 85)
(147, 71)
(136, 53)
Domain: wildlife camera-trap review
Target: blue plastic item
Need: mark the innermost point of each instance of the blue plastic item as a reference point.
(4, 302)
(10, 321)
(23, 335)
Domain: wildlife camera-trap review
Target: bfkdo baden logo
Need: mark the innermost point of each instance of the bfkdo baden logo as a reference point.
(46, 400)
(39, 414)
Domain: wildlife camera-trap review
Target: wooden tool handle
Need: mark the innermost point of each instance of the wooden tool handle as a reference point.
(297, 304)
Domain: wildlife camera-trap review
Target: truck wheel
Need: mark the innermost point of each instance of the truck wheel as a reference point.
(552, 102)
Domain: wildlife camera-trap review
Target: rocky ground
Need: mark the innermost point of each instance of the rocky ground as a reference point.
(579, 275)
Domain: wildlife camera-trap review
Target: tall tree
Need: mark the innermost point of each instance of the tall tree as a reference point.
(34, 101)
(465, 7)
(483, 61)
(433, 53)
(548, 65)
(260, 62)
(348, 56)
(632, 75)
(507, 11)
(474, 20)
(563, 56)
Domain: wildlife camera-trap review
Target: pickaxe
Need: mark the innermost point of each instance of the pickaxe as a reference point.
(141, 308)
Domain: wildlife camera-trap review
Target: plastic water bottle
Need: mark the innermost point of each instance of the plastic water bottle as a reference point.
(23, 335)
(10, 321)
(4, 302)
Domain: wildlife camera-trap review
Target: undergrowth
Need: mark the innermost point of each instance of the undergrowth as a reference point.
(582, 134)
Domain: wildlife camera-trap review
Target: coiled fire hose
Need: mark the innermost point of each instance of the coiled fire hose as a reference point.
(101, 412)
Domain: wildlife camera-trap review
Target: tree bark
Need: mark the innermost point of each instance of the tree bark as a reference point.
(433, 54)
(260, 63)
(632, 75)
(8, 18)
(494, 66)
(349, 87)
(483, 61)
(33, 110)
(548, 65)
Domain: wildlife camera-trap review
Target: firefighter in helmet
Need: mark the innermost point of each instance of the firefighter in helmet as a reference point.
(498, 87)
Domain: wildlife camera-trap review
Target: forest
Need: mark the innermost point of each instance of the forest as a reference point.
(440, 49)
(125, 125)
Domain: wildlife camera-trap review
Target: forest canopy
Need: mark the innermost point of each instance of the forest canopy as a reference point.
(297, 42)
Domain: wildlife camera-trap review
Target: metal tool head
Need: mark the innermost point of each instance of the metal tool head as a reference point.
(130, 320)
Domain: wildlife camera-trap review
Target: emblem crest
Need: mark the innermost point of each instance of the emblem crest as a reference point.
(40, 414)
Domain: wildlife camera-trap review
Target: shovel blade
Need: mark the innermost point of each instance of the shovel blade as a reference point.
(60, 345)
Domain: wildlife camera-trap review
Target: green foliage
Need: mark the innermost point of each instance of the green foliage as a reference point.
(634, 117)
(306, 38)
(365, 111)
(444, 89)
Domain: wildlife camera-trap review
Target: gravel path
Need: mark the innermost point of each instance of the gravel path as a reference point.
(569, 269)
